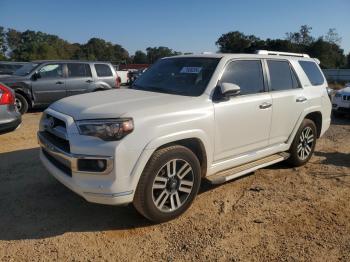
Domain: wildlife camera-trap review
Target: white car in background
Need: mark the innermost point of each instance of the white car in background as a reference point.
(123, 76)
(215, 116)
(341, 102)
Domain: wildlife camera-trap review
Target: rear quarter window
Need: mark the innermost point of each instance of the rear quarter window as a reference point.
(312, 72)
(103, 70)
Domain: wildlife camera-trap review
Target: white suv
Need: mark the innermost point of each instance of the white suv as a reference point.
(213, 116)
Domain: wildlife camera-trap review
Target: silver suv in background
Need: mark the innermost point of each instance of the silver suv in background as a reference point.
(40, 83)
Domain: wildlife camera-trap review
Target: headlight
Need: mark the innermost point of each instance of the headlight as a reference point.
(106, 129)
(337, 95)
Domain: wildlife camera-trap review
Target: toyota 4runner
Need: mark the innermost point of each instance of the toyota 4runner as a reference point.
(213, 116)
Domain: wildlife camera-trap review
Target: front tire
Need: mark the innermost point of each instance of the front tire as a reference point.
(21, 103)
(303, 144)
(168, 184)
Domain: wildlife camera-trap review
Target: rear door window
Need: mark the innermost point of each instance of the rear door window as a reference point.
(313, 72)
(282, 77)
(247, 74)
(103, 70)
(78, 70)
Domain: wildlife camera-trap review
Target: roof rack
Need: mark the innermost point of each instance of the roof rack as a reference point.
(267, 52)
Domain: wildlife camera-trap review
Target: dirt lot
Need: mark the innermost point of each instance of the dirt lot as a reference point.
(277, 213)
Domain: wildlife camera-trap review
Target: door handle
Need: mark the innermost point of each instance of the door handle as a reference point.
(265, 105)
(59, 83)
(89, 81)
(301, 99)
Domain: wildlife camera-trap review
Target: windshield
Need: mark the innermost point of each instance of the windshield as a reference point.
(187, 76)
(26, 69)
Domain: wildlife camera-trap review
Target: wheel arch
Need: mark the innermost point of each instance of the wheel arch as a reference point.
(24, 94)
(316, 117)
(196, 146)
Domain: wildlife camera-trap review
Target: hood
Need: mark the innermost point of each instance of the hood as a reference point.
(12, 79)
(345, 90)
(113, 103)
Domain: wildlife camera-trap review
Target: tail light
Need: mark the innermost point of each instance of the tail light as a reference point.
(118, 82)
(6, 96)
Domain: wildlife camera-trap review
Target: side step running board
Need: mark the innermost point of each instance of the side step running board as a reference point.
(244, 169)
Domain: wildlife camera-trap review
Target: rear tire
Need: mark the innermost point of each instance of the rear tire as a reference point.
(168, 184)
(21, 103)
(303, 144)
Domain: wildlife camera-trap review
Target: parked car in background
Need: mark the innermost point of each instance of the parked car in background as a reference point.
(39, 83)
(10, 118)
(134, 74)
(7, 68)
(341, 102)
(217, 116)
(123, 75)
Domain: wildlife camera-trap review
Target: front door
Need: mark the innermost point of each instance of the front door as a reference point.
(242, 124)
(50, 84)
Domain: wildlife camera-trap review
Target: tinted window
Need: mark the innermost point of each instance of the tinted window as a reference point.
(26, 69)
(103, 70)
(281, 75)
(51, 71)
(247, 74)
(78, 70)
(313, 72)
(188, 76)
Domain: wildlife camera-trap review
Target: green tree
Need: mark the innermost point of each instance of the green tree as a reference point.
(330, 54)
(237, 42)
(3, 47)
(302, 37)
(154, 53)
(348, 60)
(333, 37)
(99, 49)
(140, 58)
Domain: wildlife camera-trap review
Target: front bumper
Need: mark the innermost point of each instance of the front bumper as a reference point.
(93, 186)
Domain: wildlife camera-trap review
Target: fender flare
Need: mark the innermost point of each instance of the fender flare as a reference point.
(154, 144)
(300, 119)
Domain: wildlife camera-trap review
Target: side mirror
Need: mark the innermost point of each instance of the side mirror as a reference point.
(36, 76)
(229, 89)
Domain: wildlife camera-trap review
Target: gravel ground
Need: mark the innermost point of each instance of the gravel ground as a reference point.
(277, 213)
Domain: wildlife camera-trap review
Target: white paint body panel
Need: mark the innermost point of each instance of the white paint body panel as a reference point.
(233, 132)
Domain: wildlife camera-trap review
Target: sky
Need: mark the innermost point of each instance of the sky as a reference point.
(186, 26)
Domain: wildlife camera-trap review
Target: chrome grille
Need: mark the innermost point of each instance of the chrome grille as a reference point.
(55, 131)
(346, 97)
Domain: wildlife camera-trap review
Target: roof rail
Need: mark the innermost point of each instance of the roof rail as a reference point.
(267, 52)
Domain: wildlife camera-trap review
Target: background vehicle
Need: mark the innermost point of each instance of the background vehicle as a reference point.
(217, 116)
(10, 118)
(134, 74)
(123, 74)
(7, 68)
(40, 83)
(341, 102)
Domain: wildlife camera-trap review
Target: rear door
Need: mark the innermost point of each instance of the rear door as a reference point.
(288, 101)
(79, 79)
(106, 76)
(50, 85)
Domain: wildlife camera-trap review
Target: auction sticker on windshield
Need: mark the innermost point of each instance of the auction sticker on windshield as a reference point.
(190, 70)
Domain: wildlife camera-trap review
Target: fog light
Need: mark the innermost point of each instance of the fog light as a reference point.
(101, 164)
(92, 165)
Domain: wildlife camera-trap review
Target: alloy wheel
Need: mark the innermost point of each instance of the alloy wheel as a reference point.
(305, 145)
(172, 185)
